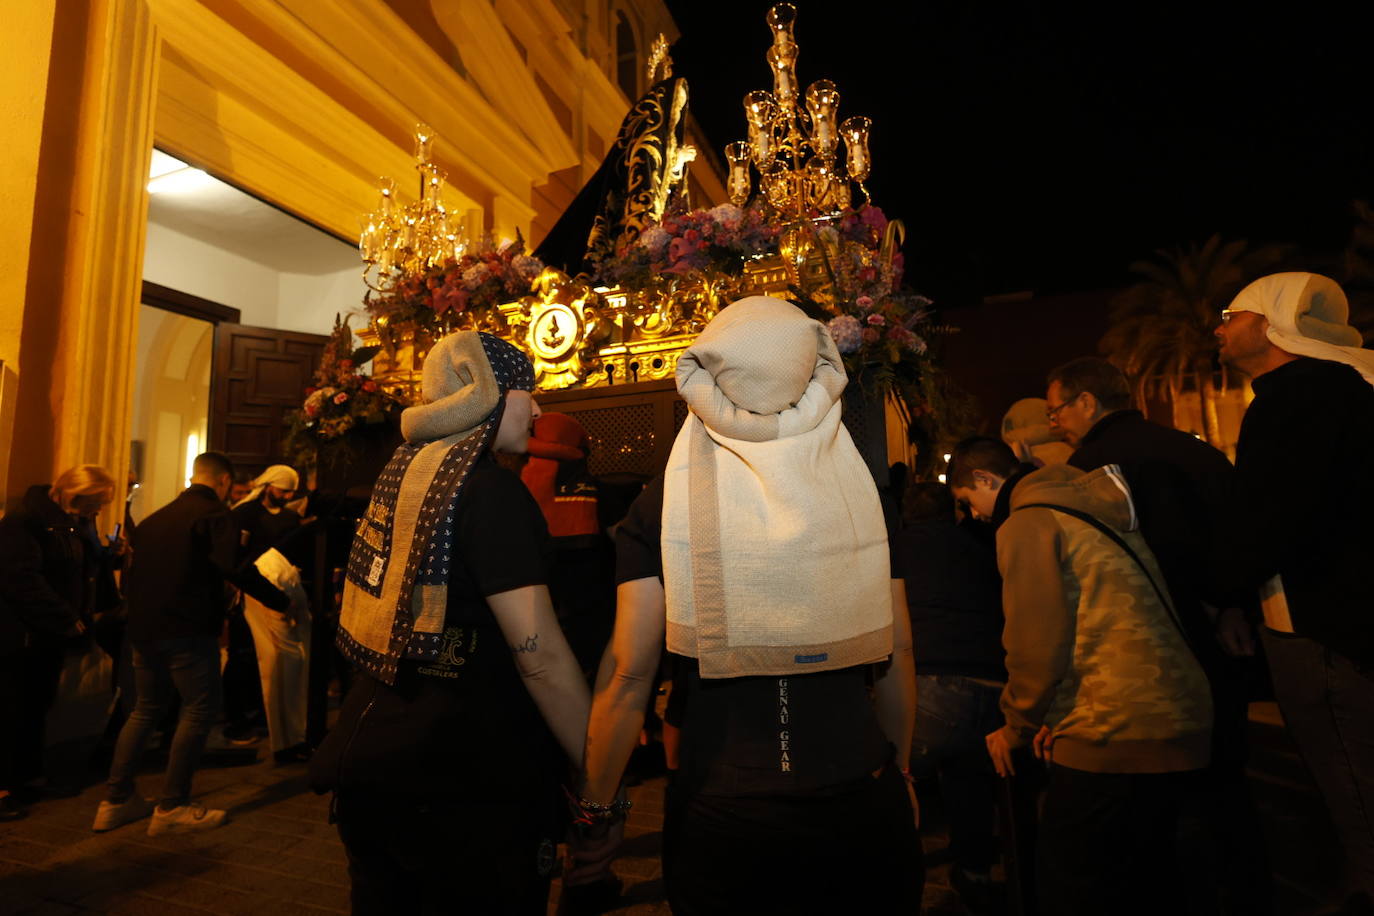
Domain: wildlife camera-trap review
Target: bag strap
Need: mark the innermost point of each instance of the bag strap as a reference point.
(1121, 542)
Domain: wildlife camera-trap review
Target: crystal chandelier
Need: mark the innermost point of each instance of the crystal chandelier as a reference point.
(793, 141)
(400, 241)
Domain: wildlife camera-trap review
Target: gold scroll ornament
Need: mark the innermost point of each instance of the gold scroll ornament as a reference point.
(580, 337)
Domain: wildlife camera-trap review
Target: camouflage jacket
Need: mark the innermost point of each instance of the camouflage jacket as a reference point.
(1093, 651)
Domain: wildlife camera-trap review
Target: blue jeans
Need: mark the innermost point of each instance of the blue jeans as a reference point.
(953, 717)
(190, 667)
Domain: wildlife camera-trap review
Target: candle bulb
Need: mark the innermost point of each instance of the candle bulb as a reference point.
(855, 132)
(823, 101)
(781, 18)
(758, 111)
(739, 187)
(783, 60)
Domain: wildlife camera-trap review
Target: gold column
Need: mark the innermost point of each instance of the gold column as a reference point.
(86, 258)
(29, 33)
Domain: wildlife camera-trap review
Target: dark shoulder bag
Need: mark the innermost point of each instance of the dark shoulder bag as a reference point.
(1121, 542)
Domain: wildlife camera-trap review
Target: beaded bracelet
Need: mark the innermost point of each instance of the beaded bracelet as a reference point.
(589, 812)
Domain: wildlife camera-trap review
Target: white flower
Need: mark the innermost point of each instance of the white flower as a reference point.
(726, 213)
(655, 237)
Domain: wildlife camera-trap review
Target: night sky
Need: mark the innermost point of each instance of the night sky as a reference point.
(1045, 147)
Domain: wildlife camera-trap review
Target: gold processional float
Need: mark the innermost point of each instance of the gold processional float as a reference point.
(646, 273)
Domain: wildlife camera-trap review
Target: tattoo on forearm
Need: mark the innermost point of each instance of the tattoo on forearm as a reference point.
(531, 644)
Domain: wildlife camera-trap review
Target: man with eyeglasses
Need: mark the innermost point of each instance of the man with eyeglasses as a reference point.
(1183, 490)
(1305, 543)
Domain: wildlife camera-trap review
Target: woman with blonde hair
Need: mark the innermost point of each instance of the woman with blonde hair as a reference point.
(56, 576)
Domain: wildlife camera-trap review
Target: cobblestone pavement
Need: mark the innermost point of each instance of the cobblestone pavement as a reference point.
(278, 855)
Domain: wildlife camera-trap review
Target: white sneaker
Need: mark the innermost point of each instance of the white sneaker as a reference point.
(109, 815)
(185, 819)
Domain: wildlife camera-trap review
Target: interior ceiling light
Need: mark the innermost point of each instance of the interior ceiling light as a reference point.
(162, 163)
(186, 179)
(167, 175)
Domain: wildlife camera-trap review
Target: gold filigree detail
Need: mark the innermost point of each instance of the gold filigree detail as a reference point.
(654, 161)
(580, 337)
(659, 56)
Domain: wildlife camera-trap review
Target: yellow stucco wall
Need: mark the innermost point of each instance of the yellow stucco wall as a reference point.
(23, 94)
(301, 103)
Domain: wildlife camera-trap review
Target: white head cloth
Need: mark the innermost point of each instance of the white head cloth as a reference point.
(1308, 316)
(775, 556)
(278, 475)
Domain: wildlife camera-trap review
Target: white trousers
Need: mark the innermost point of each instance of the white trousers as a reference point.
(283, 648)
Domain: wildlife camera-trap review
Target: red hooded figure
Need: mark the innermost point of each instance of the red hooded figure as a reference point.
(556, 474)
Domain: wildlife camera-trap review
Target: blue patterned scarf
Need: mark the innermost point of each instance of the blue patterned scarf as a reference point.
(396, 590)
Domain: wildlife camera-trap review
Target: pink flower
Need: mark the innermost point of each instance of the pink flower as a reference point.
(864, 302)
(341, 397)
(877, 320)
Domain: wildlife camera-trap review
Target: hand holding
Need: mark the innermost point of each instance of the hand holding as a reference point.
(1043, 744)
(591, 850)
(999, 749)
(1235, 634)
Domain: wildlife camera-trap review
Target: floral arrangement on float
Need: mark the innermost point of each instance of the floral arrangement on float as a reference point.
(845, 269)
(691, 246)
(342, 406)
(459, 292)
(881, 327)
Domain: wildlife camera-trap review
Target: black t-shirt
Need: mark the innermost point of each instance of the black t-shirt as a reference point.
(954, 597)
(758, 736)
(261, 530)
(462, 722)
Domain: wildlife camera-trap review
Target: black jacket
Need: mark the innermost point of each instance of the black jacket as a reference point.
(260, 530)
(954, 597)
(183, 555)
(53, 572)
(1184, 494)
(1307, 496)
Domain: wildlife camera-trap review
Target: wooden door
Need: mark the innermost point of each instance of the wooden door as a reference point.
(258, 375)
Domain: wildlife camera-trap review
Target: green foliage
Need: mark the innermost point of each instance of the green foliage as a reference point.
(1162, 330)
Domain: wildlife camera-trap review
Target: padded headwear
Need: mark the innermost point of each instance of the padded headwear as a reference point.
(464, 377)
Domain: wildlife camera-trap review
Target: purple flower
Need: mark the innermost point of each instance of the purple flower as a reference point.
(874, 218)
(846, 332)
(526, 267)
(656, 240)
